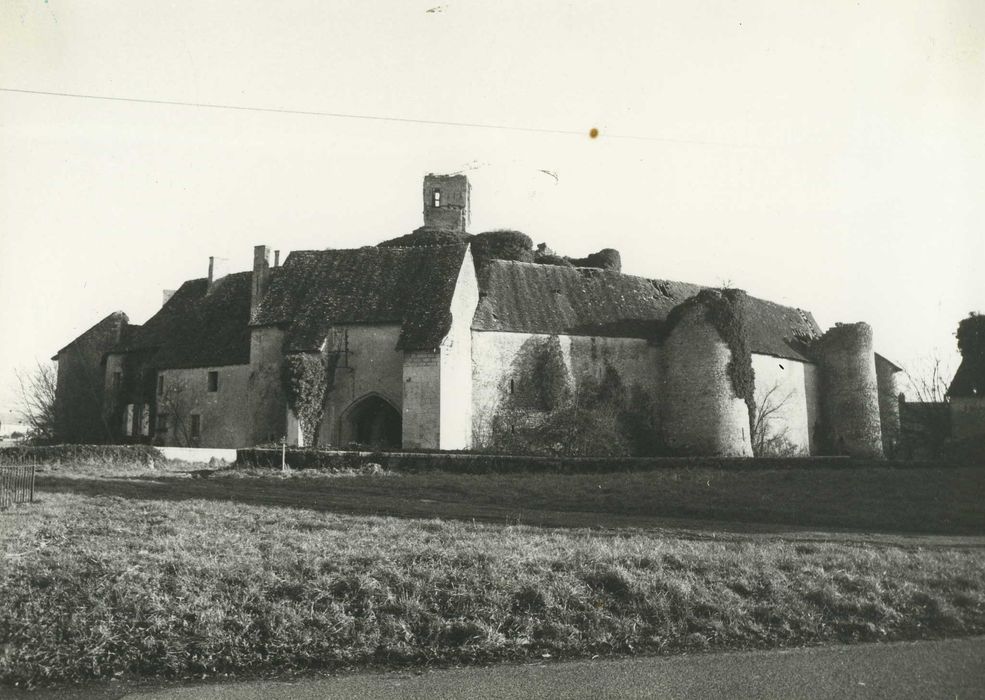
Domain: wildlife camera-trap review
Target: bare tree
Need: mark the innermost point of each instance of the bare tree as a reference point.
(174, 406)
(36, 400)
(925, 419)
(767, 442)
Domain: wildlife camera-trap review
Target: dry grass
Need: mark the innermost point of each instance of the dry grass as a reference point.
(97, 586)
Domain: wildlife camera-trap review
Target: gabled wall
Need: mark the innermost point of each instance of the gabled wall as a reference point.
(369, 363)
(455, 372)
(80, 409)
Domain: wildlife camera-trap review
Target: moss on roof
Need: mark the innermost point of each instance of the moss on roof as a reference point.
(531, 298)
(315, 290)
(198, 327)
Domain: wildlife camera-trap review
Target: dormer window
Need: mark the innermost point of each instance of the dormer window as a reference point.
(436, 198)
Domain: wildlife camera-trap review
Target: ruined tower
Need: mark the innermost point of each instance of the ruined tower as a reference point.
(849, 391)
(446, 202)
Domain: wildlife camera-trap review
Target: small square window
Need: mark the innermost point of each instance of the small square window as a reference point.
(196, 426)
(213, 381)
(436, 198)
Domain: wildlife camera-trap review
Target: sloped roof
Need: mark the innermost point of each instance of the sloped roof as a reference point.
(198, 327)
(117, 320)
(315, 290)
(969, 380)
(532, 298)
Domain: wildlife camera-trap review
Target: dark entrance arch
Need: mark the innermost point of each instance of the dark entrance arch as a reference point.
(373, 422)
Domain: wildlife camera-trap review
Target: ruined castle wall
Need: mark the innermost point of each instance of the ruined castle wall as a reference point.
(455, 429)
(224, 418)
(888, 405)
(701, 413)
(849, 392)
(503, 368)
(782, 388)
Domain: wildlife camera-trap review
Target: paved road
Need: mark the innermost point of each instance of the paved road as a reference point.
(946, 669)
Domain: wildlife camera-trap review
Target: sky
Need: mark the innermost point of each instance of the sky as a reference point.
(827, 155)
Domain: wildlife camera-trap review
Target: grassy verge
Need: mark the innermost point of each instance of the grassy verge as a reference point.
(109, 587)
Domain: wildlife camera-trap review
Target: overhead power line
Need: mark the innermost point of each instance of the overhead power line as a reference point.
(592, 132)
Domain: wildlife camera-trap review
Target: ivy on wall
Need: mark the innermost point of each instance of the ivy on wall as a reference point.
(307, 379)
(551, 375)
(725, 311)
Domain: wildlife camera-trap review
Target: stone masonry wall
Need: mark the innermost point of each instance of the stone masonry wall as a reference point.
(502, 365)
(225, 415)
(849, 392)
(701, 413)
(369, 364)
(421, 400)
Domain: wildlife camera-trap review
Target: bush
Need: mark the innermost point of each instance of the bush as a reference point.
(605, 259)
(425, 236)
(115, 455)
(502, 245)
(550, 259)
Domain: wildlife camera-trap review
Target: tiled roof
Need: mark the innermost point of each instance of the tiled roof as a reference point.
(532, 298)
(969, 380)
(315, 290)
(198, 327)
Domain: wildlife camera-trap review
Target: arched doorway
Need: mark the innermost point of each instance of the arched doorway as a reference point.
(373, 422)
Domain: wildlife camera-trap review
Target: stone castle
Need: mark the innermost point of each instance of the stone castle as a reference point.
(441, 339)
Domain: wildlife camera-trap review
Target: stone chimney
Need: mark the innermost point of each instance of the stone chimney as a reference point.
(276, 258)
(261, 275)
(218, 268)
(446, 202)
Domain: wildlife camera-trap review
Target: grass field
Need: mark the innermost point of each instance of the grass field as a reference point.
(137, 575)
(873, 499)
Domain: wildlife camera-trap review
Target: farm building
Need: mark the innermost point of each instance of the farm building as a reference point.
(440, 339)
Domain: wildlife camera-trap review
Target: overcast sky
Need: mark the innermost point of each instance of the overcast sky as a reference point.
(828, 155)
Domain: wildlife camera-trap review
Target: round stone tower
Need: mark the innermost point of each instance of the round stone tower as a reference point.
(702, 415)
(850, 423)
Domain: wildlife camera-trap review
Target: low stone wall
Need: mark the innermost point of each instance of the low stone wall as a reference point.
(480, 463)
(198, 454)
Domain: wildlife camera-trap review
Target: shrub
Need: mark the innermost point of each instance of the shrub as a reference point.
(550, 259)
(114, 455)
(502, 245)
(425, 236)
(605, 259)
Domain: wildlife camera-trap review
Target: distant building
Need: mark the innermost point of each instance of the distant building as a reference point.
(967, 391)
(438, 339)
(12, 424)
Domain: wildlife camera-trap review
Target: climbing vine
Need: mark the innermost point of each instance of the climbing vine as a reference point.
(551, 375)
(725, 311)
(307, 379)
